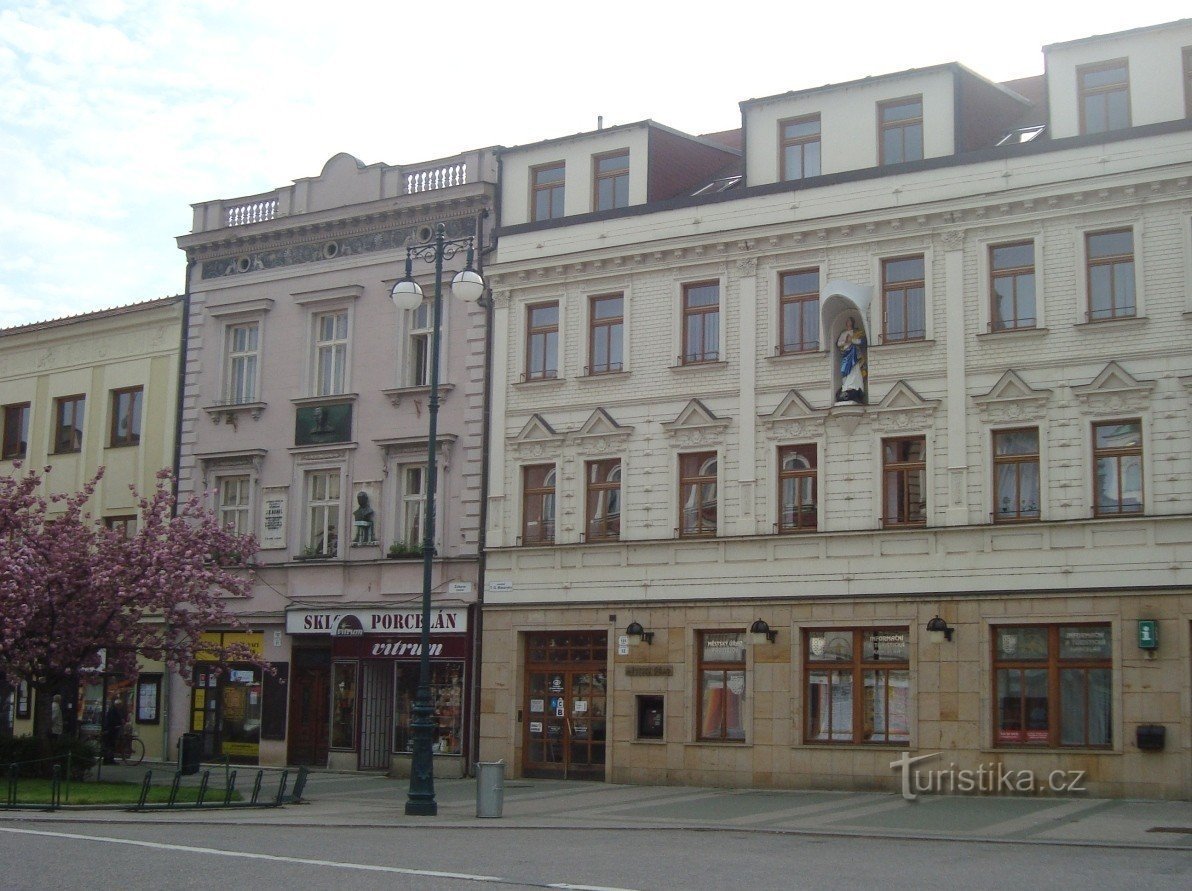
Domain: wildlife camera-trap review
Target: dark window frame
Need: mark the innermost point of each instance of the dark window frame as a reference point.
(806, 301)
(540, 492)
(550, 187)
(1013, 274)
(62, 430)
(599, 177)
(17, 416)
(902, 469)
(1112, 261)
(811, 473)
(902, 287)
(693, 481)
(153, 680)
(1116, 455)
(1017, 462)
(700, 355)
(723, 667)
(130, 401)
(785, 142)
(609, 529)
(125, 524)
(1084, 92)
(857, 666)
(543, 332)
(903, 124)
(603, 327)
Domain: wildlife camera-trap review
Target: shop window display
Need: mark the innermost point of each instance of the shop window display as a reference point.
(343, 705)
(446, 694)
(858, 686)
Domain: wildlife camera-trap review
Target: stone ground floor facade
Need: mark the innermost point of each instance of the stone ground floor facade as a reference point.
(1041, 683)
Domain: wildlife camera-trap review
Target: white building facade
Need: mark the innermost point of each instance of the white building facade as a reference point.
(681, 446)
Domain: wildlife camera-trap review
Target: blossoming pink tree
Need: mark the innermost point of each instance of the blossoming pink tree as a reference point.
(71, 590)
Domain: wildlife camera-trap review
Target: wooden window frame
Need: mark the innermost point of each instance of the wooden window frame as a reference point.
(1053, 665)
(599, 177)
(903, 125)
(701, 356)
(136, 405)
(1015, 461)
(17, 417)
(724, 668)
(902, 470)
(1117, 455)
(1013, 274)
(785, 142)
(545, 373)
(811, 473)
(597, 326)
(695, 481)
(536, 187)
(790, 345)
(1112, 261)
(154, 681)
(857, 666)
(60, 404)
(1083, 92)
(607, 530)
(891, 287)
(541, 493)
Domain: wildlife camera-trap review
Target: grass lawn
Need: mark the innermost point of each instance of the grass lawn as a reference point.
(38, 792)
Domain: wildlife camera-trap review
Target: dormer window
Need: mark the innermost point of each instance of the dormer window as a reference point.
(610, 180)
(800, 147)
(546, 198)
(1104, 96)
(900, 130)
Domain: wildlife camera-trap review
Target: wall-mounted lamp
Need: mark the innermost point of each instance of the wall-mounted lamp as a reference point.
(637, 634)
(938, 630)
(760, 633)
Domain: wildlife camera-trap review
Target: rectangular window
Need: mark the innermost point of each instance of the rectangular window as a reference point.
(68, 424)
(343, 705)
(323, 513)
(542, 341)
(1104, 96)
(148, 698)
(721, 685)
(858, 686)
(24, 697)
(900, 130)
(904, 481)
(1016, 475)
(421, 326)
(796, 488)
(1053, 686)
(242, 354)
(1117, 457)
(610, 177)
(798, 312)
(413, 506)
(1012, 286)
(904, 297)
(234, 495)
(800, 147)
(126, 417)
(701, 323)
(1110, 258)
(603, 499)
(126, 526)
(606, 334)
(331, 353)
(447, 697)
(546, 192)
(697, 494)
(538, 504)
(16, 431)
(651, 716)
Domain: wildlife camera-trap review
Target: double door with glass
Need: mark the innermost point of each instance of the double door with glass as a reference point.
(564, 713)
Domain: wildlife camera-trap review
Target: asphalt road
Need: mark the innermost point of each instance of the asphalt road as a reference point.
(83, 855)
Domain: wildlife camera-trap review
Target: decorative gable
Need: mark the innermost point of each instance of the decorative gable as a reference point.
(696, 424)
(1012, 399)
(903, 409)
(536, 437)
(794, 417)
(1114, 389)
(601, 431)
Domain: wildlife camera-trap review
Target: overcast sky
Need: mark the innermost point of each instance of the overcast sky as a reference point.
(116, 115)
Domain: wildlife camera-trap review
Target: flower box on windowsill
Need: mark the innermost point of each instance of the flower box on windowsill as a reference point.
(303, 558)
(402, 552)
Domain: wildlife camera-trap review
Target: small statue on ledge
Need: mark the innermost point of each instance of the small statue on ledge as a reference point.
(853, 366)
(362, 519)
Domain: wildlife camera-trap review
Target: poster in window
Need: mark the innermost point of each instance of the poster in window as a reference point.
(148, 698)
(23, 697)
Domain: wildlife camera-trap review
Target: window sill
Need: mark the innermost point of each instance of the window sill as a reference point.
(648, 742)
(719, 743)
(122, 445)
(230, 412)
(920, 344)
(1013, 334)
(819, 355)
(396, 394)
(68, 452)
(321, 447)
(543, 382)
(1112, 324)
(719, 365)
(1048, 750)
(337, 398)
(602, 376)
(821, 746)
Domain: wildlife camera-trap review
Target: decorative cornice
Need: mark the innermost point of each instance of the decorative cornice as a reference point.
(1113, 390)
(902, 409)
(1012, 399)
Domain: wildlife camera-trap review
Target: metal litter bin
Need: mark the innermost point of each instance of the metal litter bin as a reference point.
(490, 788)
(190, 753)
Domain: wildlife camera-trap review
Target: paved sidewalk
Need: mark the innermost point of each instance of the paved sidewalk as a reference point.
(358, 800)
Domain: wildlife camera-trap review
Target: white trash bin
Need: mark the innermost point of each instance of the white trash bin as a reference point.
(490, 788)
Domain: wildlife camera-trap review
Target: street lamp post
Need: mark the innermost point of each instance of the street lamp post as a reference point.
(467, 285)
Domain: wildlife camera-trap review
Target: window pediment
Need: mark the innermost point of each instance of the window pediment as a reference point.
(1114, 389)
(1011, 399)
(794, 417)
(601, 427)
(903, 409)
(696, 424)
(536, 437)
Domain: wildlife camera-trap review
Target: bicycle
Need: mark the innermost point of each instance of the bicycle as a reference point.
(129, 748)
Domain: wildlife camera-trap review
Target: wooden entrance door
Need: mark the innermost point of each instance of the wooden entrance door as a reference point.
(310, 707)
(565, 706)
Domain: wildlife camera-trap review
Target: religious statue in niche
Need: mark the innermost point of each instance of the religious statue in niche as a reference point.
(852, 348)
(362, 520)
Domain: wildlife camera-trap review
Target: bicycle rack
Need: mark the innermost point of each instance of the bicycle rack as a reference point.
(231, 787)
(256, 787)
(281, 788)
(203, 788)
(145, 785)
(299, 785)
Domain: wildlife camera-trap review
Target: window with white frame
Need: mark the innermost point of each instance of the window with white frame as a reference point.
(234, 499)
(330, 352)
(322, 505)
(240, 371)
(412, 506)
(421, 325)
